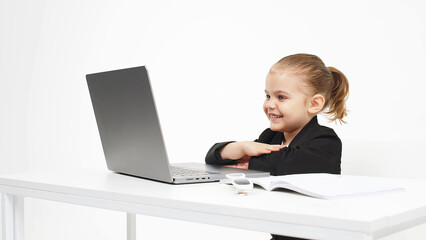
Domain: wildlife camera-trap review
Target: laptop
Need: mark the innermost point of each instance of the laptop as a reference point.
(131, 135)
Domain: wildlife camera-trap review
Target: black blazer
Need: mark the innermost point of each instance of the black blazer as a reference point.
(315, 149)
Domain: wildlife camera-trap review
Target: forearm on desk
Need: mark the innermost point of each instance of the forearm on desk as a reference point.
(233, 151)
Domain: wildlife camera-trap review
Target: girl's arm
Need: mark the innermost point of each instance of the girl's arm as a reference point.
(226, 153)
(238, 150)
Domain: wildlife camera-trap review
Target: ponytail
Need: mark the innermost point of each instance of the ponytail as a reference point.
(338, 95)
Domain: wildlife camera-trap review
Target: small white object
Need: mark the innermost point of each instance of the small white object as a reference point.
(242, 185)
(235, 175)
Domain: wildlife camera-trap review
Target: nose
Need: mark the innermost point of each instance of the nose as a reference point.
(270, 104)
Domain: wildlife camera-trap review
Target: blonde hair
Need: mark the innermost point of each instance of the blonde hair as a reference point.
(327, 81)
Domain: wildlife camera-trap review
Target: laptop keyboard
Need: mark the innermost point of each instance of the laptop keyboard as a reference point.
(185, 172)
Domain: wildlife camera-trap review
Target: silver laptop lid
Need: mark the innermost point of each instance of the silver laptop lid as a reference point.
(122, 100)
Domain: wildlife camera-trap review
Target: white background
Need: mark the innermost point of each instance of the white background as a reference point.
(207, 61)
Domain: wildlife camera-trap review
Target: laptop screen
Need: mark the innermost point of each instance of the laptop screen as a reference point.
(128, 123)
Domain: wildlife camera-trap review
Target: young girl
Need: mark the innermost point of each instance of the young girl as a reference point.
(297, 88)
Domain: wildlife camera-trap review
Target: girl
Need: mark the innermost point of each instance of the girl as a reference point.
(297, 88)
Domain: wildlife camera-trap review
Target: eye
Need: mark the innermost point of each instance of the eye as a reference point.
(281, 98)
(267, 96)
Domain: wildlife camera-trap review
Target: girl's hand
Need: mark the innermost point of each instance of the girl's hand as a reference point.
(242, 163)
(238, 150)
(256, 149)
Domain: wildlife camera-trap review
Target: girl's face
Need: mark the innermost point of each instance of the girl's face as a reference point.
(287, 102)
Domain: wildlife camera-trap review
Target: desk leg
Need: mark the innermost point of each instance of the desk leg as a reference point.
(131, 226)
(12, 217)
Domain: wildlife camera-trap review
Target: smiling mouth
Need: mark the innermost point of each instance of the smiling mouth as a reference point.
(274, 116)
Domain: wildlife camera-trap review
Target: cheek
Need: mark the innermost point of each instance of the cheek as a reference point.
(281, 107)
(286, 110)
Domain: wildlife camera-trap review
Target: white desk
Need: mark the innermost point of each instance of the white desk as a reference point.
(213, 203)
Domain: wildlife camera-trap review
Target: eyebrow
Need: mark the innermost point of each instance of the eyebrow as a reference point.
(279, 91)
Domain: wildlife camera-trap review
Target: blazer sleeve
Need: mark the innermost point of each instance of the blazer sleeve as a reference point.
(213, 156)
(320, 154)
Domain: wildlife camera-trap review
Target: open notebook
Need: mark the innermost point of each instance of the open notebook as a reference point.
(327, 186)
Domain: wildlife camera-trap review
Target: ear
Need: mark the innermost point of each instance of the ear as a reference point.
(316, 104)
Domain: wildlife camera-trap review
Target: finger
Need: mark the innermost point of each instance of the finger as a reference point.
(275, 148)
(265, 151)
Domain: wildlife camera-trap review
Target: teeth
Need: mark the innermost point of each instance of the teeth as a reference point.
(275, 116)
